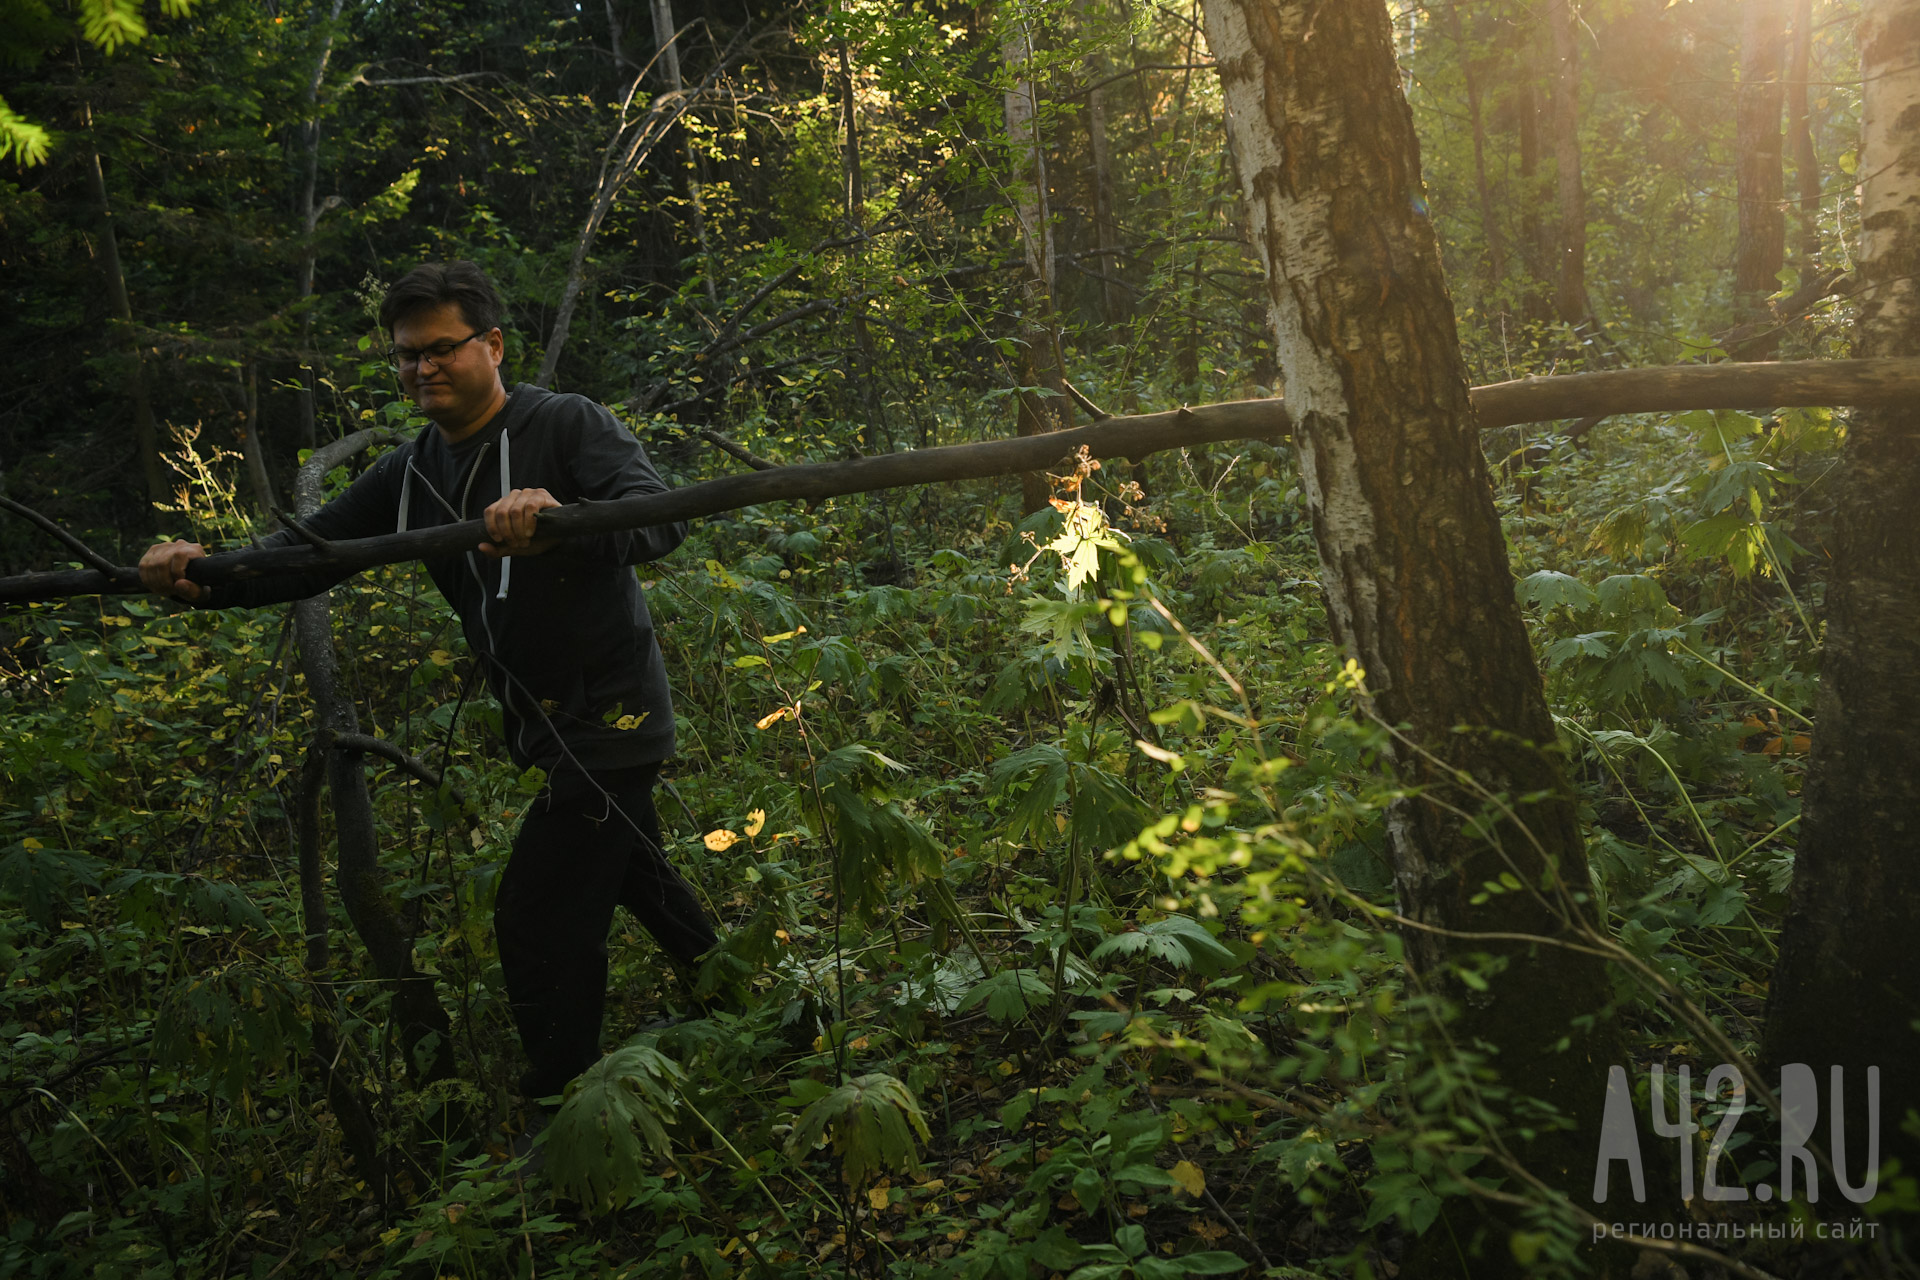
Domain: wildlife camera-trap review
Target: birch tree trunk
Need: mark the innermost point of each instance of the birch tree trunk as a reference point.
(1036, 414)
(1761, 247)
(1412, 558)
(1846, 988)
(1570, 281)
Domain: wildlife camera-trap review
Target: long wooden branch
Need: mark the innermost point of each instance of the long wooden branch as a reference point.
(1676, 388)
(1780, 385)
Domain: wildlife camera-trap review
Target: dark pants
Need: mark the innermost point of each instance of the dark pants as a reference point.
(577, 856)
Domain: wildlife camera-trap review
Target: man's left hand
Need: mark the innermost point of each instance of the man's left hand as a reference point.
(511, 522)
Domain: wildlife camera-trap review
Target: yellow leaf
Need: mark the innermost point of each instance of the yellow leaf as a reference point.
(440, 658)
(772, 717)
(31, 843)
(756, 820)
(720, 841)
(877, 1197)
(1189, 1176)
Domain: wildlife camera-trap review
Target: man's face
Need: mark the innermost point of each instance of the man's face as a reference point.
(456, 389)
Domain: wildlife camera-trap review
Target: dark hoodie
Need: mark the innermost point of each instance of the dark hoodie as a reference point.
(564, 637)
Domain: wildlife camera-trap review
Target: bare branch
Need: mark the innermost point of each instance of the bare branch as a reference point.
(66, 539)
(398, 81)
(753, 460)
(1678, 388)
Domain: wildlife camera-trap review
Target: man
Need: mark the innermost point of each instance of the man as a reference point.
(563, 634)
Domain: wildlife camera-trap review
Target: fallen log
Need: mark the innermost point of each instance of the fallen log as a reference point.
(1672, 389)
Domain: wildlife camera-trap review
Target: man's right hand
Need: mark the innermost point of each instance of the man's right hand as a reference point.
(163, 570)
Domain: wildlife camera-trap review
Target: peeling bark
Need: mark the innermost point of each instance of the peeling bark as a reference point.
(1412, 558)
(1846, 988)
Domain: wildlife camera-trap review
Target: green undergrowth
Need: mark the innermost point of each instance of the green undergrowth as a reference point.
(1051, 859)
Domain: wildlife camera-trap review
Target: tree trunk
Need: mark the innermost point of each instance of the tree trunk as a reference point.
(663, 39)
(1106, 230)
(252, 449)
(1414, 565)
(146, 434)
(1489, 214)
(856, 211)
(1761, 248)
(1570, 280)
(1806, 165)
(425, 1031)
(310, 211)
(1846, 988)
(632, 142)
(1040, 363)
(1535, 247)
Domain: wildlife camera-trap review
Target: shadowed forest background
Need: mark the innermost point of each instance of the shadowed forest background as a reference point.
(1048, 821)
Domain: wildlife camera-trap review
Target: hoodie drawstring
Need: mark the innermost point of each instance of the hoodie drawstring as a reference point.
(406, 497)
(506, 487)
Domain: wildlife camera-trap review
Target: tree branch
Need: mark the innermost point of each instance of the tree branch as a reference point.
(1664, 390)
(66, 539)
(1678, 388)
(727, 445)
(406, 80)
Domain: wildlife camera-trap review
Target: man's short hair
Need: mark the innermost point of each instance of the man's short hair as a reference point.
(434, 284)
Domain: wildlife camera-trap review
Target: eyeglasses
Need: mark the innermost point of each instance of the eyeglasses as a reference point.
(439, 353)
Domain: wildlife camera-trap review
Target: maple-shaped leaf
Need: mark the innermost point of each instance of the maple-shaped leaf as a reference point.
(871, 1120)
(599, 1143)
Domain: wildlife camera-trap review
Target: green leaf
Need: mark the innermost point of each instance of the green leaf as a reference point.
(1181, 941)
(111, 23)
(1630, 593)
(1592, 644)
(1009, 994)
(26, 142)
(872, 1122)
(613, 1118)
(1551, 590)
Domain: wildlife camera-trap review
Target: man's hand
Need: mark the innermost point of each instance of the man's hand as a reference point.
(511, 520)
(163, 570)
